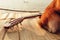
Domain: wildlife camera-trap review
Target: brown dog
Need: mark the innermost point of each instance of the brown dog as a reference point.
(50, 19)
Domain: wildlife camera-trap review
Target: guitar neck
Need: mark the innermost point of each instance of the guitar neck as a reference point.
(19, 20)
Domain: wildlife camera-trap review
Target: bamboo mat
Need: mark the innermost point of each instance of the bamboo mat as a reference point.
(30, 28)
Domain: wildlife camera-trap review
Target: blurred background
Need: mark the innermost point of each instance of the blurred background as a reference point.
(31, 5)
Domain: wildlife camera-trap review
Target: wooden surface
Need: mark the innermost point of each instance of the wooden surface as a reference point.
(30, 28)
